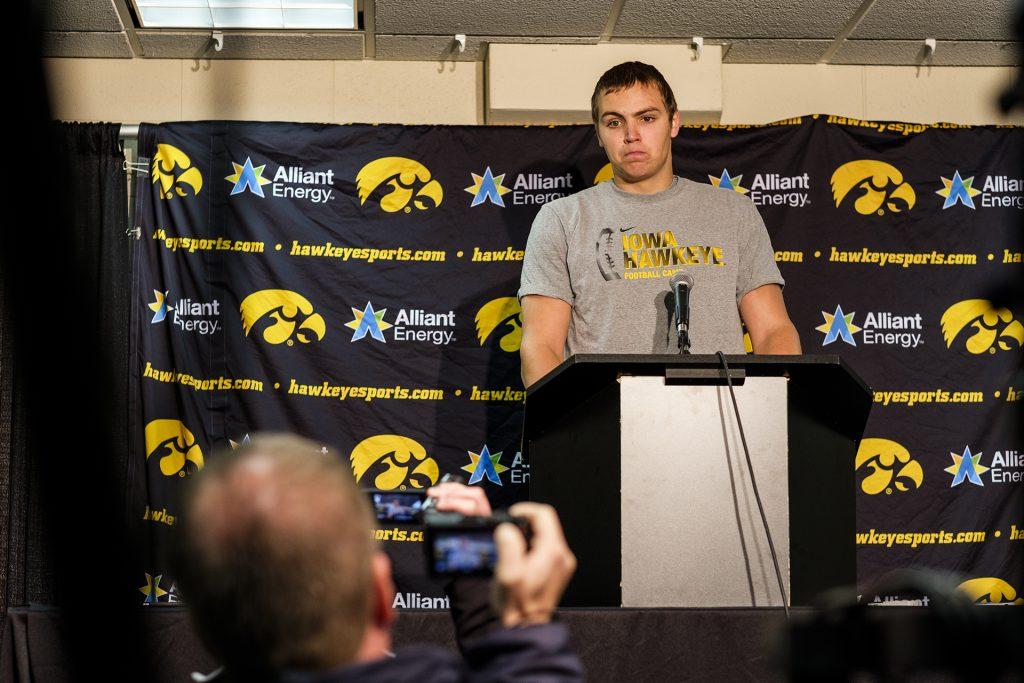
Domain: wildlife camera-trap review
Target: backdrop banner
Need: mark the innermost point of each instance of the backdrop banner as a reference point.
(357, 285)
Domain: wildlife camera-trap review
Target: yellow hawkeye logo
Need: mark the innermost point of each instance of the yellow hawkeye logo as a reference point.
(880, 184)
(291, 312)
(173, 443)
(606, 173)
(174, 171)
(504, 316)
(409, 182)
(393, 462)
(989, 590)
(993, 328)
(888, 464)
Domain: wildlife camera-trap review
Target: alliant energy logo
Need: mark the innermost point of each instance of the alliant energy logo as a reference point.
(173, 170)
(155, 594)
(399, 184)
(880, 328)
(283, 315)
(411, 325)
(980, 327)
(889, 467)
(989, 590)
(1006, 467)
(528, 189)
(289, 182)
(484, 465)
(173, 445)
(201, 317)
(501, 318)
(997, 192)
(874, 186)
(418, 601)
(769, 189)
(391, 461)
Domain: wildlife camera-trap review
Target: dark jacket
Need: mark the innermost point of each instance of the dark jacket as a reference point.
(534, 653)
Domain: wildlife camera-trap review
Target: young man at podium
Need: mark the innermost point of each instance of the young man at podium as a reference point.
(598, 265)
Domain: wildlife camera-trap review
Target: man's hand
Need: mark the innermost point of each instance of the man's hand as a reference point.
(545, 327)
(465, 500)
(529, 583)
(764, 312)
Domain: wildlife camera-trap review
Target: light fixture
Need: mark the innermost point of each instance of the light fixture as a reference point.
(247, 14)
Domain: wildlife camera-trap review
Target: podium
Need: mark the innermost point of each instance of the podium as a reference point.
(641, 456)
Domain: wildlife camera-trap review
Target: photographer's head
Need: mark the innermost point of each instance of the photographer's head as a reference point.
(275, 557)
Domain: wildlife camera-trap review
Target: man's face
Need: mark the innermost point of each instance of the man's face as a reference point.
(636, 131)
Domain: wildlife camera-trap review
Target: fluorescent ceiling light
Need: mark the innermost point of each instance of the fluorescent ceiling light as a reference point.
(247, 14)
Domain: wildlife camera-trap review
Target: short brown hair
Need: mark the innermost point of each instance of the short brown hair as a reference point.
(628, 74)
(272, 552)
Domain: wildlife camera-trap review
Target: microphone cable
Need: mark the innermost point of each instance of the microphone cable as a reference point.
(753, 483)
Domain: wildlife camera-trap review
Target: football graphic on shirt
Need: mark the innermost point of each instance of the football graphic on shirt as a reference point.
(609, 252)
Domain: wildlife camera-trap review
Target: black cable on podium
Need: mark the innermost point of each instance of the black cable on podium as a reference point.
(753, 483)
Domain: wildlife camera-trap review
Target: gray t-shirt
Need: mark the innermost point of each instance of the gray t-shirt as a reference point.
(610, 255)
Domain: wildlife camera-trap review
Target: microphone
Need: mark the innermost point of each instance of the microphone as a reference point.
(681, 284)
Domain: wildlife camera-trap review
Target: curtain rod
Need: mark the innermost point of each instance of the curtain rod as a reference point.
(129, 131)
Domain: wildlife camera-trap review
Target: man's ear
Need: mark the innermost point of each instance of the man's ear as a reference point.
(382, 596)
(598, 134)
(676, 122)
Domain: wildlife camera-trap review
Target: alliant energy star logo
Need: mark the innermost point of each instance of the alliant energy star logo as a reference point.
(989, 590)
(201, 317)
(997, 191)
(876, 187)
(177, 450)
(880, 328)
(528, 189)
(173, 170)
(391, 461)
(399, 184)
(1007, 467)
(889, 466)
(485, 465)
(155, 594)
(411, 325)
(289, 182)
(503, 318)
(284, 316)
(981, 327)
(769, 189)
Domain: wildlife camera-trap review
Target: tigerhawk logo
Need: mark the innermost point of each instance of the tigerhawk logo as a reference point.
(989, 590)
(409, 180)
(606, 173)
(392, 461)
(291, 312)
(504, 316)
(888, 464)
(174, 171)
(994, 328)
(175, 446)
(881, 186)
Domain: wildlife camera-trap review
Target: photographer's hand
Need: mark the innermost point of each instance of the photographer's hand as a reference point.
(529, 583)
(470, 501)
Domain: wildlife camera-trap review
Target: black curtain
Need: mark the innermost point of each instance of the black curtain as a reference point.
(65, 287)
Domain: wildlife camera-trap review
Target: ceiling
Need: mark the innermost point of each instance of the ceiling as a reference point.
(885, 32)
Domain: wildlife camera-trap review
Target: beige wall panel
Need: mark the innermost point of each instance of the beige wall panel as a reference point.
(929, 95)
(762, 93)
(118, 90)
(405, 92)
(257, 90)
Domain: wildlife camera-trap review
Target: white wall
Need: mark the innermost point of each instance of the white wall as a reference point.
(136, 90)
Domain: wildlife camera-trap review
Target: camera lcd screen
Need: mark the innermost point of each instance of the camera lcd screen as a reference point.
(464, 551)
(397, 506)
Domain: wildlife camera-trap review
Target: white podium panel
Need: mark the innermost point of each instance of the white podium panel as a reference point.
(691, 532)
